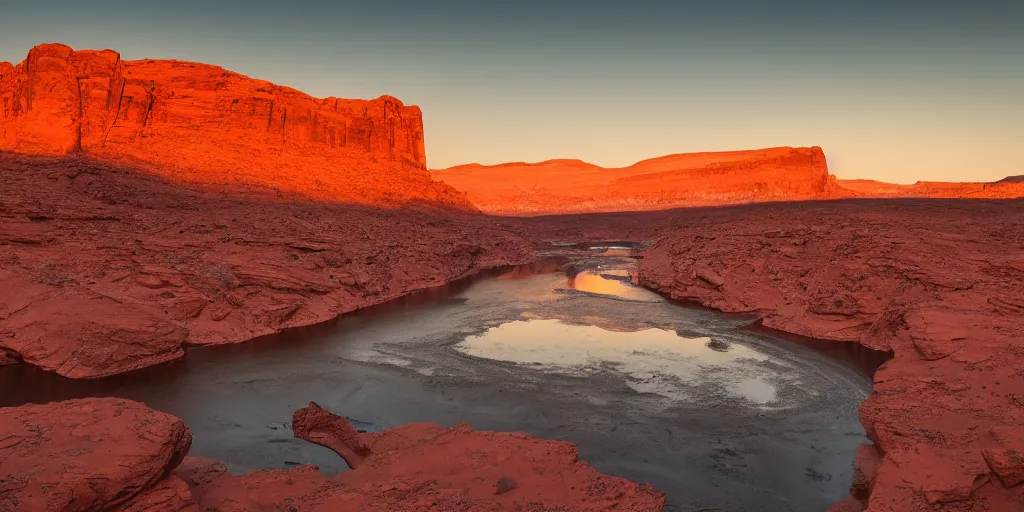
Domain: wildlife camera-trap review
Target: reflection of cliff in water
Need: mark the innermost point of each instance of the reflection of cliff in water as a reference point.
(591, 282)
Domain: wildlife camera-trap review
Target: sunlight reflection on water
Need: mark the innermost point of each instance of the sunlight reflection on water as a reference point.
(653, 360)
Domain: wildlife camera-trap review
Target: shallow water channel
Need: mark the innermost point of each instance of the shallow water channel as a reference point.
(718, 416)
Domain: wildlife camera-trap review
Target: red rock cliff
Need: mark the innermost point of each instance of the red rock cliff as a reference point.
(695, 179)
(201, 123)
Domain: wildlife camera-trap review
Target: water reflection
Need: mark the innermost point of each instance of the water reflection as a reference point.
(607, 284)
(777, 408)
(653, 360)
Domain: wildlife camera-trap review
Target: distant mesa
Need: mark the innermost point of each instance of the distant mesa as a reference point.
(695, 179)
(203, 124)
(1011, 187)
(692, 179)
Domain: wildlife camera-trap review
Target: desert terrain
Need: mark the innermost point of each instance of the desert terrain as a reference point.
(684, 180)
(151, 208)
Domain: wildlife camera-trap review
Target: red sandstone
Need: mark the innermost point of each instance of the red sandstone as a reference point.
(203, 124)
(110, 454)
(1007, 188)
(108, 268)
(939, 284)
(85, 455)
(316, 425)
(697, 179)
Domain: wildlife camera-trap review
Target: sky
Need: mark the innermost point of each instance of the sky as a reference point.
(894, 90)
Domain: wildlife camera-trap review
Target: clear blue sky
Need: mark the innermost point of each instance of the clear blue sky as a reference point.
(898, 91)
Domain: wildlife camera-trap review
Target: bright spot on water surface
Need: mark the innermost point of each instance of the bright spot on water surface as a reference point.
(653, 360)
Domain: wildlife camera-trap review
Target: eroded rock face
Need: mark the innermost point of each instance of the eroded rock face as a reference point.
(107, 270)
(203, 124)
(85, 455)
(941, 285)
(424, 466)
(696, 179)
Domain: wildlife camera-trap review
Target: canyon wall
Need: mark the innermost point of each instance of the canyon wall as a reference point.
(695, 179)
(203, 124)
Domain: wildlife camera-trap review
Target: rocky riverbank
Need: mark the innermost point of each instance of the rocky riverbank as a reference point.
(113, 454)
(108, 269)
(939, 284)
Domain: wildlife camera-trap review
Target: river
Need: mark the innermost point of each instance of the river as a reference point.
(719, 416)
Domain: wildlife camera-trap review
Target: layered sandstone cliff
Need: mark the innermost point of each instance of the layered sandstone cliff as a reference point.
(203, 124)
(695, 179)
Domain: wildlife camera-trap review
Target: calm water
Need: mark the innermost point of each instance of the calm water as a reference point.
(716, 415)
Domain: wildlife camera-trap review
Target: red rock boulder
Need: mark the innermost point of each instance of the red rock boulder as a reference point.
(85, 455)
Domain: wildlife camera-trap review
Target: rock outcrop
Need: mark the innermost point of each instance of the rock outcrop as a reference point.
(316, 425)
(106, 270)
(110, 454)
(424, 466)
(696, 179)
(85, 455)
(199, 123)
(939, 284)
(1010, 187)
